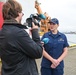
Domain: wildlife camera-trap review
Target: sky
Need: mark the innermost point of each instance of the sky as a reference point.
(63, 10)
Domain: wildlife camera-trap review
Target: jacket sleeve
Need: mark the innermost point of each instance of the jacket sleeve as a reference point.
(31, 47)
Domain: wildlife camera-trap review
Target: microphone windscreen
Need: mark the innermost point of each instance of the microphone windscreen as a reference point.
(45, 40)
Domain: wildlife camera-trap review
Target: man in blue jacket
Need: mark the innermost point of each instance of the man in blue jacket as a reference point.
(17, 50)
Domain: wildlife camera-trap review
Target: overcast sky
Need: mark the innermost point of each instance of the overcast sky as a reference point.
(64, 10)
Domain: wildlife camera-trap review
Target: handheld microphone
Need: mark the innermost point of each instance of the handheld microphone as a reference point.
(45, 40)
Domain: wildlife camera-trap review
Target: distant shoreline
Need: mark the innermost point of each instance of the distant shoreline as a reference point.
(69, 32)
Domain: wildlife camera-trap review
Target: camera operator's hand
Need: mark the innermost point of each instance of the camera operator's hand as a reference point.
(34, 32)
(34, 26)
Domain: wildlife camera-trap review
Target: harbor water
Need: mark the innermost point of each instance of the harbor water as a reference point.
(71, 38)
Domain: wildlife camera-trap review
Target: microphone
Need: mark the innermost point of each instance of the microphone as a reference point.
(45, 40)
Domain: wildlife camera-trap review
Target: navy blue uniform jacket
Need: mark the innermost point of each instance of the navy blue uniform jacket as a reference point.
(54, 48)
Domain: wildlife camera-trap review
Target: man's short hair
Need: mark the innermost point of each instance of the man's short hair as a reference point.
(11, 9)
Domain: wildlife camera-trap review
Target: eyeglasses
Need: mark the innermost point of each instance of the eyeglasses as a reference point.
(22, 13)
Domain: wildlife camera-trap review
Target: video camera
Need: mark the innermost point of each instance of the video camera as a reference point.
(33, 18)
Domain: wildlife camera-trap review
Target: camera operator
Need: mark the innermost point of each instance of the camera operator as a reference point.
(17, 50)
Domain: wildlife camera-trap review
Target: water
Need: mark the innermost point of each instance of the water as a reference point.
(71, 38)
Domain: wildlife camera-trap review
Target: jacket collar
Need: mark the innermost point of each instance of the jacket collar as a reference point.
(58, 34)
(14, 23)
(10, 21)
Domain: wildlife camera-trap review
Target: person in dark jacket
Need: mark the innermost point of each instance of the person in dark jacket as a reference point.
(17, 50)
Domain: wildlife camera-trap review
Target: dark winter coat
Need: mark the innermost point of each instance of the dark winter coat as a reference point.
(18, 51)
